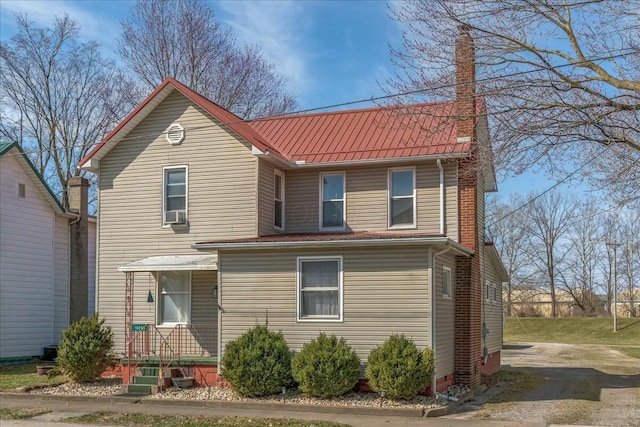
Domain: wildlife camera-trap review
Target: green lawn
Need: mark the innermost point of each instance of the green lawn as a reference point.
(21, 414)
(15, 376)
(590, 330)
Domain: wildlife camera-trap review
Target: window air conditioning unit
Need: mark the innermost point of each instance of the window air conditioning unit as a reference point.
(175, 217)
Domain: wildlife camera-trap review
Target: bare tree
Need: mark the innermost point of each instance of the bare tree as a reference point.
(580, 275)
(505, 229)
(59, 97)
(181, 39)
(629, 267)
(561, 77)
(547, 223)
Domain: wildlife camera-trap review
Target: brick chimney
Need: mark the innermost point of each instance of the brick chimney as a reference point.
(468, 288)
(79, 250)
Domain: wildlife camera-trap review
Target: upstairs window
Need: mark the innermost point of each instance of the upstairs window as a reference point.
(278, 200)
(319, 282)
(446, 282)
(175, 297)
(332, 205)
(402, 198)
(175, 195)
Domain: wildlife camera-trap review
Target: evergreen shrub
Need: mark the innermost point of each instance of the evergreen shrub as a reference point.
(85, 349)
(399, 369)
(257, 363)
(326, 367)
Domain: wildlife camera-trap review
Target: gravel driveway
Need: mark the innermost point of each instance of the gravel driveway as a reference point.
(580, 385)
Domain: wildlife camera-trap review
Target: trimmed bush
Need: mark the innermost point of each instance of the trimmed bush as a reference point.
(326, 367)
(399, 369)
(257, 363)
(85, 349)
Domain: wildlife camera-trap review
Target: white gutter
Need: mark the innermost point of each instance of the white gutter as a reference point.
(303, 164)
(408, 240)
(439, 163)
(433, 309)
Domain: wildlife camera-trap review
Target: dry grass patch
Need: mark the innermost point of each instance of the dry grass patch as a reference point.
(21, 414)
(514, 384)
(24, 375)
(138, 420)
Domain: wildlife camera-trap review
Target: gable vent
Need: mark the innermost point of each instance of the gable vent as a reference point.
(175, 134)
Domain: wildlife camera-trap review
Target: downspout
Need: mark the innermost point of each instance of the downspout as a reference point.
(439, 163)
(433, 309)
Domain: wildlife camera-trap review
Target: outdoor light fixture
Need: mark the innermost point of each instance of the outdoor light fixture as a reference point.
(149, 297)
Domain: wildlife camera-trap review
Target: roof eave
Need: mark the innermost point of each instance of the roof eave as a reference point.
(239, 246)
(365, 162)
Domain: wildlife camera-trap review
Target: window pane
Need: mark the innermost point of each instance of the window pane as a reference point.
(446, 281)
(278, 187)
(176, 176)
(402, 211)
(332, 215)
(175, 203)
(175, 281)
(176, 190)
(314, 274)
(175, 308)
(401, 183)
(324, 303)
(278, 214)
(332, 187)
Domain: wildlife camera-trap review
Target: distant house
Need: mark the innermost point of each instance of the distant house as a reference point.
(47, 258)
(537, 303)
(361, 223)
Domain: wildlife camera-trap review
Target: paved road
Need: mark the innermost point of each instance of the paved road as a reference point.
(580, 385)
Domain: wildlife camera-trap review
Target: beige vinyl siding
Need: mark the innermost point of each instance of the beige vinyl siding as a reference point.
(266, 206)
(445, 318)
(27, 258)
(221, 197)
(386, 291)
(492, 311)
(91, 294)
(366, 199)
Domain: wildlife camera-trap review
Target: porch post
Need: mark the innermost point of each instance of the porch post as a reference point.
(128, 311)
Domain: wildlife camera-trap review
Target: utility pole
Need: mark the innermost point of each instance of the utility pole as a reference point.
(615, 245)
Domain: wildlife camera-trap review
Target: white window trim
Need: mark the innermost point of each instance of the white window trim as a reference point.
(487, 291)
(415, 201)
(449, 294)
(282, 192)
(164, 192)
(343, 200)
(299, 261)
(159, 303)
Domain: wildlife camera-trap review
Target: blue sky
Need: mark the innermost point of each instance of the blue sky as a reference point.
(329, 51)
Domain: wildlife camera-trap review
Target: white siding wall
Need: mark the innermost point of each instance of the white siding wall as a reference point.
(61, 289)
(386, 291)
(26, 265)
(222, 181)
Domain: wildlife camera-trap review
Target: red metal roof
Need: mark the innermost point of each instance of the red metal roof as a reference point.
(366, 134)
(227, 118)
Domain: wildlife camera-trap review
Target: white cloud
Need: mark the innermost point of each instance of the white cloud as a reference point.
(279, 29)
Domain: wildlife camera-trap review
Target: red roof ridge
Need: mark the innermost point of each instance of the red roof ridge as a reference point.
(357, 110)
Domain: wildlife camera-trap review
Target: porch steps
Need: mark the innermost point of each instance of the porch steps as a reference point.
(149, 380)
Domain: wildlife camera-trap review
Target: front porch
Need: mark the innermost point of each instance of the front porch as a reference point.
(171, 321)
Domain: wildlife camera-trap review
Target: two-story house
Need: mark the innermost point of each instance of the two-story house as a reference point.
(361, 223)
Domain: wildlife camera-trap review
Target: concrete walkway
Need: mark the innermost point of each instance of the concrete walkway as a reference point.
(62, 407)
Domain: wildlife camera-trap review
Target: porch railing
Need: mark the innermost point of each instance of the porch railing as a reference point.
(169, 345)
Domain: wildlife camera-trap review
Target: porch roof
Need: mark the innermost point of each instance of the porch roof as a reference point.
(173, 263)
(306, 240)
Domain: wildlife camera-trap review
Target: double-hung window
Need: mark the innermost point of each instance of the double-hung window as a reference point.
(446, 282)
(402, 198)
(174, 195)
(278, 200)
(175, 297)
(487, 290)
(332, 201)
(319, 288)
